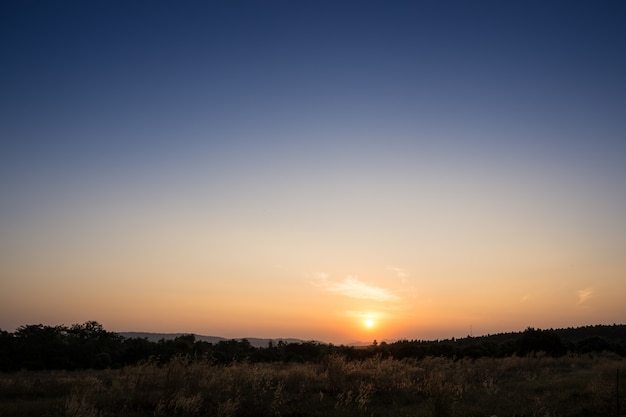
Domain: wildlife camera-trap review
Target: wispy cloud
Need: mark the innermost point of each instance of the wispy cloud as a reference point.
(399, 272)
(584, 295)
(321, 276)
(352, 287)
(369, 314)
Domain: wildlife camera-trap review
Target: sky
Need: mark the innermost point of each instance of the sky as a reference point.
(325, 170)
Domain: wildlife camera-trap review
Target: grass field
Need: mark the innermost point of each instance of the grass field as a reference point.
(514, 386)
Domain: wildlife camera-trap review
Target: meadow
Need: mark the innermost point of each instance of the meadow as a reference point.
(533, 385)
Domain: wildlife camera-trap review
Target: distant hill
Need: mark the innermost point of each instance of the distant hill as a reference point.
(612, 333)
(155, 337)
(257, 342)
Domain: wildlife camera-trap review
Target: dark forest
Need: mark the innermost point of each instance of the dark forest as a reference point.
(90, 346)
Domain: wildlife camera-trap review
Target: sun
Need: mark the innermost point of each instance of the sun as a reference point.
(369, 323)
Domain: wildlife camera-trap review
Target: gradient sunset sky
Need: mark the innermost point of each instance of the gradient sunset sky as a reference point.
(295, 168)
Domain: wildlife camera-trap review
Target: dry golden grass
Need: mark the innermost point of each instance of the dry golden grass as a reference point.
(530, 386)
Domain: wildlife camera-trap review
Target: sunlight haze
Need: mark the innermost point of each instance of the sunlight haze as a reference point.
(333, 171)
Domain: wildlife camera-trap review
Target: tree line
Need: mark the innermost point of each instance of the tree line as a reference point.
(90, 346)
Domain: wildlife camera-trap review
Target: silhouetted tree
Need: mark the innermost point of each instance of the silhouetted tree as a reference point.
(593, 344)
(134, 350)
(547, 341)
(7, 348)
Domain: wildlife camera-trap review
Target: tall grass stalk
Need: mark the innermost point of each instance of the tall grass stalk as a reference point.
(431, 387)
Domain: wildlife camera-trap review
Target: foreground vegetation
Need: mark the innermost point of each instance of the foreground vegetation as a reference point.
(84, 371)
(536, 385)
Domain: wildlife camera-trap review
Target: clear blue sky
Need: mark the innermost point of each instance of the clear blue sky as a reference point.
(249, 151)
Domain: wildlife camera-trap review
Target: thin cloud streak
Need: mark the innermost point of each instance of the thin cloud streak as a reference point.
(352, 287)
(399, 272)
(584, 295)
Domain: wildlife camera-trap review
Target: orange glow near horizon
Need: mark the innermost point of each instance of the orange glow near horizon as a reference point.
(385, 303)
